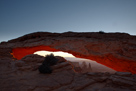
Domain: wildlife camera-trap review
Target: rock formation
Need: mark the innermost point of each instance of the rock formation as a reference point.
(115, 50)
(19, 65)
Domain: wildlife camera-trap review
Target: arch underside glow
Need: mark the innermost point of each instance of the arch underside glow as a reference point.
(95, 67)
(116, 64)
(58, 53)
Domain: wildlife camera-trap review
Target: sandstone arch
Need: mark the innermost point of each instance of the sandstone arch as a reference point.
(19, 53)
(115, 50)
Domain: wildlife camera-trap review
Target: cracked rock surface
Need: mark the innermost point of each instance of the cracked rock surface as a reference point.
(23, 75)
(113, 50)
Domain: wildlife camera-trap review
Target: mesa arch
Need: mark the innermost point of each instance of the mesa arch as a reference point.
(115, 50)
(19, 53)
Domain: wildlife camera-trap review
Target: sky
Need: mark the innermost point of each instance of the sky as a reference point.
(95, 67)
(20, 17)
(59, 53)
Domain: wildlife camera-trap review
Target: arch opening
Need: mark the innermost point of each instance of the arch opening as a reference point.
(58, 53)
(95, 67)
(20, 52)
(116, 64)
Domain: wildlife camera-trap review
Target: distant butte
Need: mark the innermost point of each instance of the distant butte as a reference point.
(115, 50)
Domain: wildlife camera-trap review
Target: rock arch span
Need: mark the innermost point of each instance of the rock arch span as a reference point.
(20, 52)
(115, 50)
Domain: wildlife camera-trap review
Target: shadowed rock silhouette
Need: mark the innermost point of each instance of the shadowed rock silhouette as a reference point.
(45, 69)
(49, 60)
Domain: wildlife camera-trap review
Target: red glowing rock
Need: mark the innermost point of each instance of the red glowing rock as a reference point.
(115, 50)
(21, 52)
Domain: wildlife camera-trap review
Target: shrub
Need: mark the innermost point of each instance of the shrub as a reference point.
(45, 69)
(101, 32)
(48, 61)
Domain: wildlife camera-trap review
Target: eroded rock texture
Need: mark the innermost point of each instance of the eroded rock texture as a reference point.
(23, 75)
(114, 50)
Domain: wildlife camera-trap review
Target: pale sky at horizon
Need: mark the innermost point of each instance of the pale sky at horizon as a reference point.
(63, 54)
(20, 17)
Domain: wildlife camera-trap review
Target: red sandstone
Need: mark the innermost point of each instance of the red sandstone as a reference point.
(115, 50)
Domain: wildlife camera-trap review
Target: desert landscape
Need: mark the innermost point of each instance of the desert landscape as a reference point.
(19, 65)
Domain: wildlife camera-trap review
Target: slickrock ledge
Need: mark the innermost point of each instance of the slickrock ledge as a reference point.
(115, 50)
(23, 75)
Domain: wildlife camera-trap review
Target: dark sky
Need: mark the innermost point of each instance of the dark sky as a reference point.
(19, 17)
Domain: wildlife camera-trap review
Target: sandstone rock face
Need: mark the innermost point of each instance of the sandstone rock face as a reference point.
(19, 65)
(23, 75)
(115, 50)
